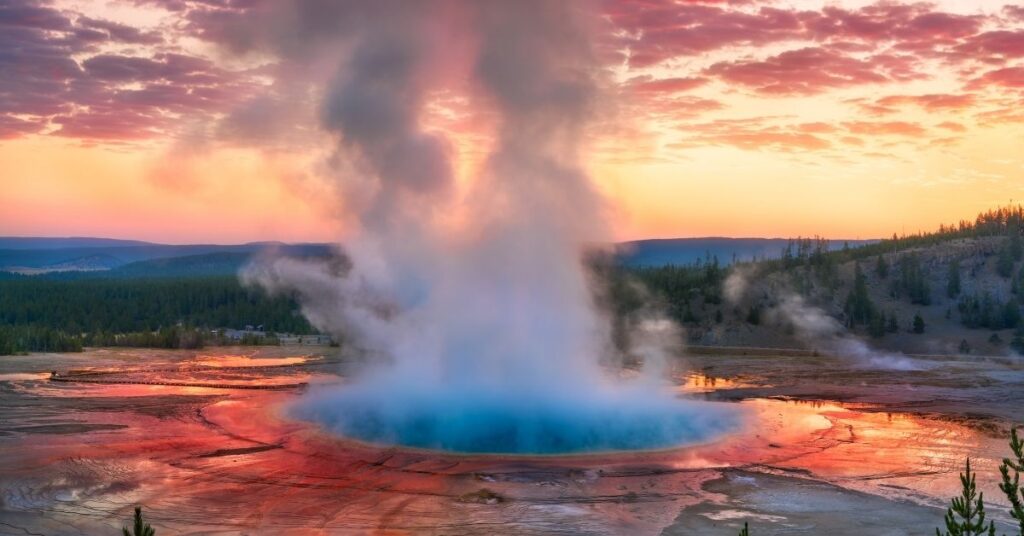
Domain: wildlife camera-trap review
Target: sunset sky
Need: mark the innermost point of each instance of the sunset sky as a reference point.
(163, 121)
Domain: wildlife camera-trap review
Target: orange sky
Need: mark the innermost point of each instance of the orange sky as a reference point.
(845, 119)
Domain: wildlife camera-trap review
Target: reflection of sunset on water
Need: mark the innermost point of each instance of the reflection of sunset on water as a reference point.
(247, 361)
(189, 453)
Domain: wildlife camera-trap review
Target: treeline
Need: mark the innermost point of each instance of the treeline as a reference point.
(53, 315)
(19, 339)
(688, 294)
(685, 292)
(1008, 221)
(692, 294)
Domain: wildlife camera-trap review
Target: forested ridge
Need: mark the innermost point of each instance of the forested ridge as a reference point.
(40, 314)
(66, 311)
(980, 287)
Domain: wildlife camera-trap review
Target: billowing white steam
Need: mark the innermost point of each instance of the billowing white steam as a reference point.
(817, 328)
(488, 327)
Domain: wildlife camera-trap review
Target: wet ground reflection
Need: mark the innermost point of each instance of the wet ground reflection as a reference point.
(210, 457)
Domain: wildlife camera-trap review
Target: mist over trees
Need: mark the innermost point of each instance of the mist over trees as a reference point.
(888, 278)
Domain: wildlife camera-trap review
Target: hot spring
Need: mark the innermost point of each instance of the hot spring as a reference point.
(616, 418)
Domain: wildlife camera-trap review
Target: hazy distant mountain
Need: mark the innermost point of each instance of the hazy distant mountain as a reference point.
(43, 255)
(221, 263)
(88, 263)
(660, 252)
(132, 258)
(43, 242)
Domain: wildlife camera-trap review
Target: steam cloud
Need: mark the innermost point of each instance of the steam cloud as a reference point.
(488, 325)
(816, 328)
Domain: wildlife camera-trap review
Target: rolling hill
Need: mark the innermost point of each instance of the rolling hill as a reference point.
(80, 256)
(682, 251)
(32, 256)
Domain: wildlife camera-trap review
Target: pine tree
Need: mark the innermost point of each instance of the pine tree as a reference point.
(746, 530)
(858, 303)
(893, 325)
(876, 327)
(754, 315)
(1011, 315)
(1004, 264)
(918, 324)
(1011, 486)
(882, 267)
(966, 516)
(953, 279)
(140, 528)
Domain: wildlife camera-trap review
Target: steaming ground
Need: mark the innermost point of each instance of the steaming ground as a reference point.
(616, 417)
(815, 328)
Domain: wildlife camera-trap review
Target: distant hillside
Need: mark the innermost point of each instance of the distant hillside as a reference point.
(45, 242)
(72, 257)
(88, 263)
(682, 251)
(32, 258)
(209, 264)
(959, 289)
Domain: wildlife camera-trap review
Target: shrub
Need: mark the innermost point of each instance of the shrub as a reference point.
(1011, 486)
(966, 515)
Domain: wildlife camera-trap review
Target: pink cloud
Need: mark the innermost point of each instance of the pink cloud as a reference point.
(931, 102)
(993, 46)
(802, 72)
(666, 85)
(885, 128)
(1007, 77)
(756, 133)
(55, 75)
(952, 126)
(661, 30)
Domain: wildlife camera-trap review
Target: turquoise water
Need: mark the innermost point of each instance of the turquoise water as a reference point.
(501, 423)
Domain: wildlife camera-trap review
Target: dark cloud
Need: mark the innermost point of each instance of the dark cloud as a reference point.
(119, 32)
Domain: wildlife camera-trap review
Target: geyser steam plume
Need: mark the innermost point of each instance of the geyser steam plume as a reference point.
(486, 321)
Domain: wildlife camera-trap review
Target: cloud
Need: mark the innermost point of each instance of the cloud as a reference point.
(67, 62)
(755, 134)
(952, 126)
(908, 25)
(931, 102)
(1007, 77)
(63, 76)
(810, 70)
(117, 32)
(993, 46)
(1014, 12)
(885, 128)
(665, 85)
(657, 31)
